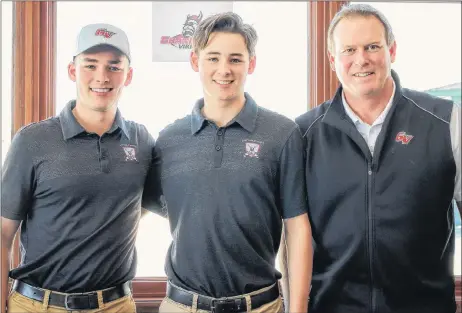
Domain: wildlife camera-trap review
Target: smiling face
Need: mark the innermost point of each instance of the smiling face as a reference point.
(100, 78)
(361, 57)
(223, 66)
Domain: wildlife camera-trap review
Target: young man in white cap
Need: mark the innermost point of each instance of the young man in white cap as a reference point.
(76, 182)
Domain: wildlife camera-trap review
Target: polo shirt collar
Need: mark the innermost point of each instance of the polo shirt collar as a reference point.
(197, 119)
(119, 122)
(247, 117)
(71, 128)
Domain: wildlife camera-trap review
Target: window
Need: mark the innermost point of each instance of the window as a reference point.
(7, 62)
(428, 58)
(163, 92)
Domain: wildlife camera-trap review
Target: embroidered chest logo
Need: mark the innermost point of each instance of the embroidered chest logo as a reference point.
(403, 138)
(130, 153)
(252, 149)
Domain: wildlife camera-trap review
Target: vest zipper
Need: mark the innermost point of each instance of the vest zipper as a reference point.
(369, 233)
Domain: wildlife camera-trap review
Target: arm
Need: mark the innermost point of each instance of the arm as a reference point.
(282, 261)
(456, 142)
(152, 200)
(300, 255)
(17, 189)
(297, 234)
(9, 228)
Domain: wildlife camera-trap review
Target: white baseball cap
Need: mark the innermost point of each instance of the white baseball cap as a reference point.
(102, 34)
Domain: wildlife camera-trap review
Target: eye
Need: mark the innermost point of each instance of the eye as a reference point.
(213, 60)
(90, 67)
(373, 47)
(348, 51)
(114, 69)
(236, 61)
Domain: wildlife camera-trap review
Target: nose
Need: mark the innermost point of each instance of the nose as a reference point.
(102, 76)
(224, 68)
(361, 58)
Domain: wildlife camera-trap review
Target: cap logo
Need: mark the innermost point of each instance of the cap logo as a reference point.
(104, 32)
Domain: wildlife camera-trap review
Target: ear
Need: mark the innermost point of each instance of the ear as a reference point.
(194, 61)
(392, 51)
(331, 61)
(252, 64)
(128, 80)
(71, 71)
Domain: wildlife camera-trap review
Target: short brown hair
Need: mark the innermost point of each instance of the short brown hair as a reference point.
(228, 22)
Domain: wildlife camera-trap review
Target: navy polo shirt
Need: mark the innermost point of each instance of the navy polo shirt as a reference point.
(79, 197)
(227, 191)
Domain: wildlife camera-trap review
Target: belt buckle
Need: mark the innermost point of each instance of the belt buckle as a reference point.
(226, 306)
(76, 296)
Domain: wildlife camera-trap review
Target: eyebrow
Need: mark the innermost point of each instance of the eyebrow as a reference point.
(373, 43)
(232, 54)
(368, 44)
(96, 61)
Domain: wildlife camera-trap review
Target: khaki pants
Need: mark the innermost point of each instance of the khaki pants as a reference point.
(17, 303)
(170, 306)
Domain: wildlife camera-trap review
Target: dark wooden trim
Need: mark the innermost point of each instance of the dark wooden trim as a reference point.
(34, 58)
(34, 39)
(322, 80)
(458, 283)
(149, 292)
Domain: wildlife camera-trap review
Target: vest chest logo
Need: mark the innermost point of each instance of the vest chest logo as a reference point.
(252, 149)
(130, 153)
(403, 138)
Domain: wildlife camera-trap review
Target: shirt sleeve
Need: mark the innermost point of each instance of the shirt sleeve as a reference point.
(152, 199)
(18, 179)
(455, 140)
(292, 196)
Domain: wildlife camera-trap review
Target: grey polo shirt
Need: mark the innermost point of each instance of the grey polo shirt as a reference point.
(79, 197)
(227, 191)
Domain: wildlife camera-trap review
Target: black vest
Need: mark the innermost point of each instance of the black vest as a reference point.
(382, 224)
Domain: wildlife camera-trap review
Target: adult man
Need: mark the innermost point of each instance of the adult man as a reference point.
(231, 172)
(382, 169)
(76, 182)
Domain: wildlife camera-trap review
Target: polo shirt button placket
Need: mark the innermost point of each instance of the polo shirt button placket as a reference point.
(219, 141)
(104, 156)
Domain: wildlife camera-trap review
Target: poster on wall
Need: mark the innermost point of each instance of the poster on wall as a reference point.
(174, 23)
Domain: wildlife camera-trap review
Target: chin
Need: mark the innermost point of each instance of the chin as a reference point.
(226, 97)
(101, 108)
(364, 90)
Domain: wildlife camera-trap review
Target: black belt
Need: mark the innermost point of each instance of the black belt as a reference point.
(73, 301)
(224, 305)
